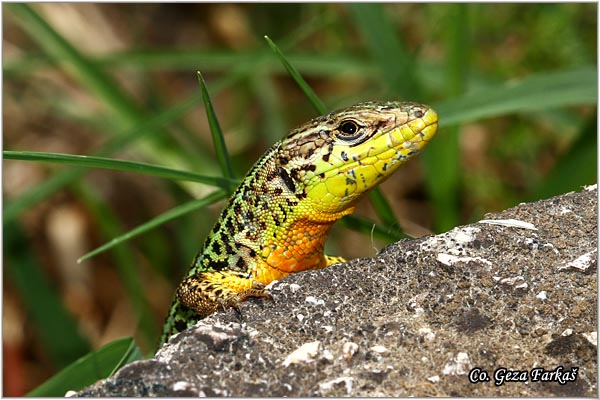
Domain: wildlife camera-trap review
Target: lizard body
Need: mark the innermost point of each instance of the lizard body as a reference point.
(277, 220)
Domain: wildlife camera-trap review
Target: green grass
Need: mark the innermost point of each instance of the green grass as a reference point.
(88, 369)
(517, 123)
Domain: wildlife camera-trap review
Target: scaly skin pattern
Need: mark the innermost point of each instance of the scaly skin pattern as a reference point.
(277, 221)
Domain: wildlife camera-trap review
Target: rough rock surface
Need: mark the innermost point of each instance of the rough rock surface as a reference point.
(414, 321)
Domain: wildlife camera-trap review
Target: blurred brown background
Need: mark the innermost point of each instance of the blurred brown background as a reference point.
(149, 55)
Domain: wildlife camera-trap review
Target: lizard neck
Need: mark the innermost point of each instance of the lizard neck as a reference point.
(299, 244)
(269, 229)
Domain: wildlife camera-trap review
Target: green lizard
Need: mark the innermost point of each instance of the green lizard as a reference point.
(277, 220)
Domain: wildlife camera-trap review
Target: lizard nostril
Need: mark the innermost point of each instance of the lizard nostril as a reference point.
(418, 113)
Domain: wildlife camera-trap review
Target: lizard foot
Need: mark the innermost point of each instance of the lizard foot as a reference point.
(257, 290)
(208, 292)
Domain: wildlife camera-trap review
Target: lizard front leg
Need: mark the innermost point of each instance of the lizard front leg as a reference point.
(208, 292)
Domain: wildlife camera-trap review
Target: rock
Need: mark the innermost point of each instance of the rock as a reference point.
(491, 299)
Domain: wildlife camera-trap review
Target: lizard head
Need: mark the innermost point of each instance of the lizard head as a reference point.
(335, 159)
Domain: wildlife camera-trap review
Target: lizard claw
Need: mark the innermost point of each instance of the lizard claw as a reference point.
(234, 301)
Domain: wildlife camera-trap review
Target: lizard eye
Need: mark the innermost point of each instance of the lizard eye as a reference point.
(348, 127)
(350, 131)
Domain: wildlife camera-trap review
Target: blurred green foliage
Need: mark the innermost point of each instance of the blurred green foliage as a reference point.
(514, 85)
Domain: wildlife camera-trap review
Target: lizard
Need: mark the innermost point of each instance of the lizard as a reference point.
(277, 220)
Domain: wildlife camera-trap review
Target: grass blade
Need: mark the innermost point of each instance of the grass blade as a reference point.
(90, 368)
(369, 227)
(125, 263)
(310, 94)
(154, 222)
(576, 168)
(65, 54)
(264, 90)
(389, 53)
(383, 209)
(442, 158)
(118, 165)
(53, 323)
(536, 92)
(209, 60)
(43, 190)
(216, 132)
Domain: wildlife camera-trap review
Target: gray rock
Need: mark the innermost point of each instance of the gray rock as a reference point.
(414, 321)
